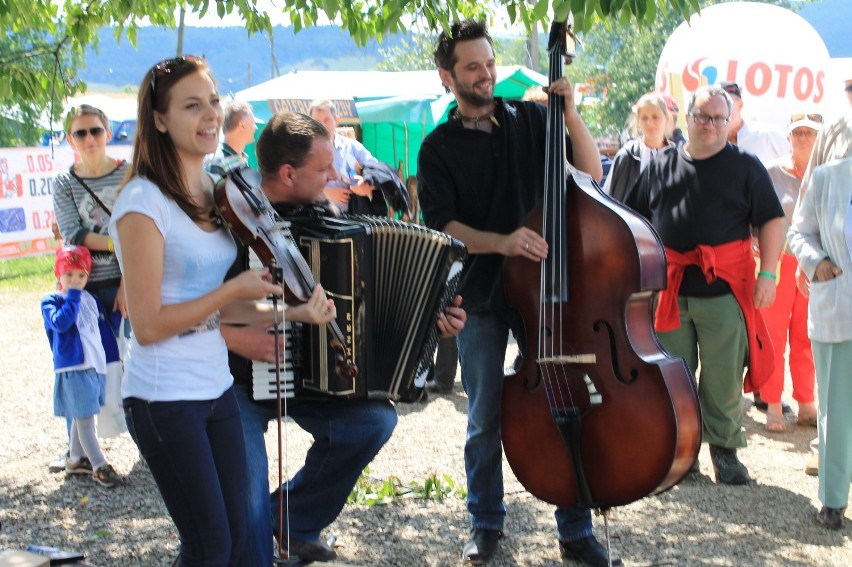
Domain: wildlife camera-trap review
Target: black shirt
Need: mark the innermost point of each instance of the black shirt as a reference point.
(487, 181)
(708, 201)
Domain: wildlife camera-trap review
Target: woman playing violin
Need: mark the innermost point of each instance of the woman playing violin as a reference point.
(178, 393)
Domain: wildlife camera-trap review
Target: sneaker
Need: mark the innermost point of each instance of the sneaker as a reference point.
(83, 466)
(726, 465)
(106, 476)
(58, 464)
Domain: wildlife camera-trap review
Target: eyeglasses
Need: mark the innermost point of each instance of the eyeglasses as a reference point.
(96, 132)
(167, 66)
(848, 88)
(811, 117)
(702, 119)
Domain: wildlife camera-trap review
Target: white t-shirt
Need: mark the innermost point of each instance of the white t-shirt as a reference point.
(194, 364)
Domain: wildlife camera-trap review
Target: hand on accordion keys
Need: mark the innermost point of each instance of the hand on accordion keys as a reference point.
(452, 321)
(318, 310)
(253, 342)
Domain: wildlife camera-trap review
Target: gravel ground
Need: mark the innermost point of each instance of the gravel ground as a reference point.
(769, 522)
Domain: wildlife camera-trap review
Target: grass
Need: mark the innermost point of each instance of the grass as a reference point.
(33, 273)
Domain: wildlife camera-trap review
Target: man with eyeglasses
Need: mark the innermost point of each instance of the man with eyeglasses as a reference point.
(766, 141)
(703, 198)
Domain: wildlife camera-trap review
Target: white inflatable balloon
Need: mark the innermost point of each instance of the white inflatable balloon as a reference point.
(776, 57)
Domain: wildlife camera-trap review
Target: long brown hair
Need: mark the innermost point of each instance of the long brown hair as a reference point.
(154, 154)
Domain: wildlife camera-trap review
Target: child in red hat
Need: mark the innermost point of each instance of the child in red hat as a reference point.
(82, 344)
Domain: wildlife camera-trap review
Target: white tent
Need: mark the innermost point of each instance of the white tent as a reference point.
(357, 85)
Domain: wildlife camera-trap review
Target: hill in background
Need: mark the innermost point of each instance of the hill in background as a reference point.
(237, 59)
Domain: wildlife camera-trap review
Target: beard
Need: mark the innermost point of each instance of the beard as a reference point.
(470, 96)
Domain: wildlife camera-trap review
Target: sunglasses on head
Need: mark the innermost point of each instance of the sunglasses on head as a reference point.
(811, 117)
(168, 66)
(96, 132)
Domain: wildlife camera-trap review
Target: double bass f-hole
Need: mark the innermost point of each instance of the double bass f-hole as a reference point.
(243, 208)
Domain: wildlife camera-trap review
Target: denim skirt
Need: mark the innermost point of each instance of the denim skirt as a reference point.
(78, 393)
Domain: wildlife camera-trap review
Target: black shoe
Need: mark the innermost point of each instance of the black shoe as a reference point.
(482, 546)
(307, 551)
(726, 465)
(438, 389)
(831, 518)
(760, 405)
(587, 551)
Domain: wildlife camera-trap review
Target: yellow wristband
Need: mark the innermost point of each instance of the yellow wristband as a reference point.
(769, 275)
(110, 244)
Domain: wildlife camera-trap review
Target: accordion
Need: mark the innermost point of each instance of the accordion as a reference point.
(388, 280)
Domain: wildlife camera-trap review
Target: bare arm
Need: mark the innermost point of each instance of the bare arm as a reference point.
(770, 237)
(143, 256)
(521, 242)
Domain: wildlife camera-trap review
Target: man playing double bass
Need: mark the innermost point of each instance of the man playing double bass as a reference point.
(479, 175)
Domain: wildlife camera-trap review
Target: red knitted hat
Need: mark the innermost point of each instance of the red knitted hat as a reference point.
(72, 258)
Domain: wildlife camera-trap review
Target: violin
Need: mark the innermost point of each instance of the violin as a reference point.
(243, 208)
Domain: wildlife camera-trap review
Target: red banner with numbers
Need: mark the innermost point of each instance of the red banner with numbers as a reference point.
(26, 206)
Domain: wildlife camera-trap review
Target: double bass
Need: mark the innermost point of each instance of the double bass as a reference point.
(597, 414)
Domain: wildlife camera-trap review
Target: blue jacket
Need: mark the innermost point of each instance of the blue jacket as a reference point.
(60, 322)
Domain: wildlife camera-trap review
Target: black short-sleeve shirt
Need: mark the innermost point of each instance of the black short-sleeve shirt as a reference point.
(708, 201)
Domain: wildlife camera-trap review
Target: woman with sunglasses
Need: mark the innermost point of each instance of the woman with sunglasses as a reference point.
(787, 318)
(178, 392)
(83, 199)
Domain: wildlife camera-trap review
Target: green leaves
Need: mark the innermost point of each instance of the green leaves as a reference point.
(40, 37)
(376, 492)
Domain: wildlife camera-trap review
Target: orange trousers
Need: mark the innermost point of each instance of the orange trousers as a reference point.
(787, 319)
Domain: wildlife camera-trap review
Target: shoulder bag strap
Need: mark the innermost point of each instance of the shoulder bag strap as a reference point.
(89, 190)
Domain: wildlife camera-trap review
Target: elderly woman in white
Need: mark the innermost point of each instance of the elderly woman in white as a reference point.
(821, 239)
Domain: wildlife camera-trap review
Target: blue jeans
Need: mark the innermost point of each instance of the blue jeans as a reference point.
(195, 452)
(106, 296)
(347, 435)
(482, 350)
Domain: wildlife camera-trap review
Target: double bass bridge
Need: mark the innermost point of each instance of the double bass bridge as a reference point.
(554, 362)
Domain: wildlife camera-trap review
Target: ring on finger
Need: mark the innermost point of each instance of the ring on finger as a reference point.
(526, 246)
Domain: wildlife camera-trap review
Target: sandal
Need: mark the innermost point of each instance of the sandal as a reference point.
(775, 423)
